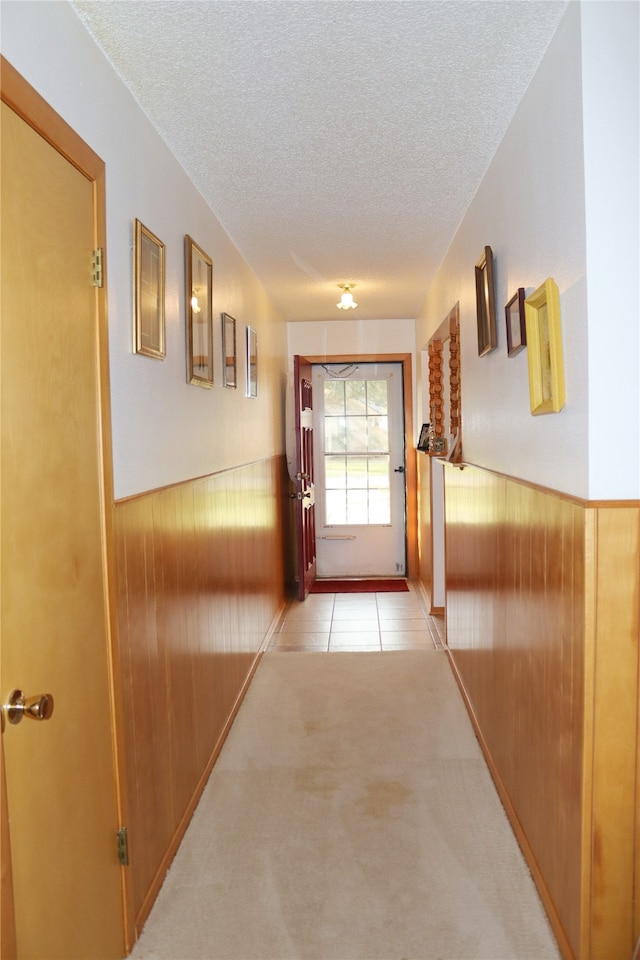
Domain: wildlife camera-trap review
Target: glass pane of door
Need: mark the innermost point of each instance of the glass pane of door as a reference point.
(356, 452)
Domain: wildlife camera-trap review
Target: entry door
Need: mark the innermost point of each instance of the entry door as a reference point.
(304, 476)
(60, 778)
(360, 470)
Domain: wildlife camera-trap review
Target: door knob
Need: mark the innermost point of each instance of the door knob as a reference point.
(35, 708)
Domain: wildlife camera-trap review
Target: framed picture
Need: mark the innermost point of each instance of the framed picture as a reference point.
(148, 292)
(252, 362)
(544, 347)
(229, 370)
(516, 329)
(486, 304)
(423, 442)
(198, 274)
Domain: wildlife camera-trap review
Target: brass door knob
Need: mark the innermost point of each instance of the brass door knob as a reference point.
(35, 708)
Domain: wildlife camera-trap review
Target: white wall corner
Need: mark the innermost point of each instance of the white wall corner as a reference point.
(611, 116)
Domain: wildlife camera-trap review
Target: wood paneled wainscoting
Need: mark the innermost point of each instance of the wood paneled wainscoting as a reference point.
(543, 615)
(200, 585)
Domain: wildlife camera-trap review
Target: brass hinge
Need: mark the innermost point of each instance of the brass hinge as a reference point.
(96, 267)
(123, 847)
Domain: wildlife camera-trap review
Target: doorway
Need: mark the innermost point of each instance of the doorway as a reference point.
(405, 364)
(359, 461)
(445, 439)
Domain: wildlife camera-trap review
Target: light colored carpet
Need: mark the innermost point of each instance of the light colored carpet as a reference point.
(350, 816)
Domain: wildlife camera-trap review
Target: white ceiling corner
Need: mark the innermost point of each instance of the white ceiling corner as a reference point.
(334, 139)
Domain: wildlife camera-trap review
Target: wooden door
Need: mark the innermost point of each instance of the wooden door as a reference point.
(305, 493)
(60, 774)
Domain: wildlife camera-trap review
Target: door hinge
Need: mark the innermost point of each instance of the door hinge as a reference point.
(123, 847)
(96, 267)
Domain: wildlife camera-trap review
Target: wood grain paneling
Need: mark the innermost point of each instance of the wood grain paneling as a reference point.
(636, 869)
(542, 627)
(615, 709)
(200, 583)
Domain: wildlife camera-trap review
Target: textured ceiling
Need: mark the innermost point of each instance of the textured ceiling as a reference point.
(334, 139)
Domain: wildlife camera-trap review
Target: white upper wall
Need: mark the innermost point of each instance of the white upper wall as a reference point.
(530, 208)
(351, 336)
(560, 199)
(164, 430)
(611, 83)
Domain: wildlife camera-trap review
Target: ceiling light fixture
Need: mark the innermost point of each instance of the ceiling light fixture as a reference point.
(346, 298)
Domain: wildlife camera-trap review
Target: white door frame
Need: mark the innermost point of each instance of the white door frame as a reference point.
(366, 549)
(405, 359)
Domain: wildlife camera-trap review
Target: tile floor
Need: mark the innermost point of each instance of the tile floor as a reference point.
(339, 622)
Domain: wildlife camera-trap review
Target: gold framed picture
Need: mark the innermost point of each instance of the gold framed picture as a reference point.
(148, 292)
(486, 303)
(544, 348)
(199, 317)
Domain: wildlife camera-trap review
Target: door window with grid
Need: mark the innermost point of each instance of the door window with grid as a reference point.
(356, 452)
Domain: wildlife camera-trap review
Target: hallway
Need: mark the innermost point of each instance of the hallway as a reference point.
(350, 814)
(191, 526)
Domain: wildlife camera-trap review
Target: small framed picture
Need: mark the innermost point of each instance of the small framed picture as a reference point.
(252, 362)
(544, 348)
(423, 442)
(516, 328)
(198, 274)
(148, 292)
(486, 304)
(229, 371)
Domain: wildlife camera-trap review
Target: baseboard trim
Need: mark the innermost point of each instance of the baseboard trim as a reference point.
(516, 826)
(423, 596)
(275, 623)
(181, 829)
(172, 849)
(425, 599)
